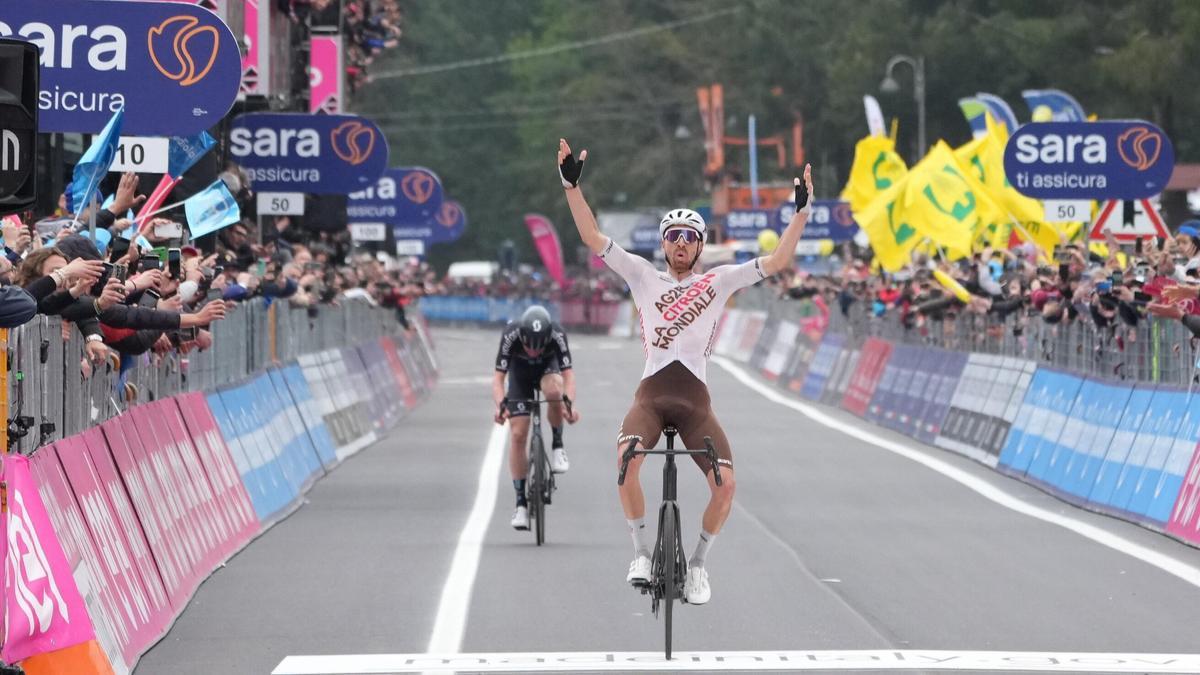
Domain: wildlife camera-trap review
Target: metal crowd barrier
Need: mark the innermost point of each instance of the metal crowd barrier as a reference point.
(1154, 351)
(51, 396)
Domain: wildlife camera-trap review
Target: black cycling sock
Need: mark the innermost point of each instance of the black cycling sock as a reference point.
(556, 434)
(519, 486)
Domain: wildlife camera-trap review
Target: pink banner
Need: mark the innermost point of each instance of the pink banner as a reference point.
(250, 68)
(199, 543)
(158, 509)
(125, 560)
(875, 355)
(1185, 517)
(44, 609)
(325, 74)
(217, 460)
(545, 238)
(100, 592)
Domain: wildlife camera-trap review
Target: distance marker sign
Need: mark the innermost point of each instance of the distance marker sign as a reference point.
(1089, 160)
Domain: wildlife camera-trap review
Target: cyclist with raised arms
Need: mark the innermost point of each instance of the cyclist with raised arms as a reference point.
(679, 310)
(533, 354)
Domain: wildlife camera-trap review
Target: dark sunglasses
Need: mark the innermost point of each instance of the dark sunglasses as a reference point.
(687, 235)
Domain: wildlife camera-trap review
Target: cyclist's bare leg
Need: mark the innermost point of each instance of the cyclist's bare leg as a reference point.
(721, 501)
(552, 390)
(633, 501)
(518, 463)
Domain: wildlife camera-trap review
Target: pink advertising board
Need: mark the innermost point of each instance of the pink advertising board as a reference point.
(44, 608)
(325, 74)
(1185, 517)
(124, 555)
(216, 459)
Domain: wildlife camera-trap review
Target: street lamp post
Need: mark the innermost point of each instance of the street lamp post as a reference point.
(889, 85)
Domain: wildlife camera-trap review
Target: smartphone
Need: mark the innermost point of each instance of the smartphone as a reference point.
(1139, 296)
(118, 248)
(149, 262)
(262, 268)
(120, 272)
(1062, 254)
(173, 261)
(1117, 278)
(98, 287)
(1104, 287)
(168, 229)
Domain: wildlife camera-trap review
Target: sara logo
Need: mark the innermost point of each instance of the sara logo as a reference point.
(182, 49)
(1140, 147)
(418, 187)
(352, 141)
(448, 215)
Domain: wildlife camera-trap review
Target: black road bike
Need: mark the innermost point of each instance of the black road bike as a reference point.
(668, 566)
(539, 487)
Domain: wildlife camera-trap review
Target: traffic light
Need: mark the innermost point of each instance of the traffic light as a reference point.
(18, 125)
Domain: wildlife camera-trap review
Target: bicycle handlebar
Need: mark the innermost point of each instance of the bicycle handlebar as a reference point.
(503, 407)
(709, 451)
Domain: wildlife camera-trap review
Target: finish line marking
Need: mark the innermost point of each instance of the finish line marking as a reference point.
(858, 660)
(1164, 562)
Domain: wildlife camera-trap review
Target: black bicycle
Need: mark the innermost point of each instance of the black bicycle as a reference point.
(668, 566)
(539, 487)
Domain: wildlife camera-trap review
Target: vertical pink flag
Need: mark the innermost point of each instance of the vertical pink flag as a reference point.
(42, 605)
(325, 74)
(545, 238)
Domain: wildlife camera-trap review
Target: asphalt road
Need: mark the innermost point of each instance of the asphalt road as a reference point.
(834, 544)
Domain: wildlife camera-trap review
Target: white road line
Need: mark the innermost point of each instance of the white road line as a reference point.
(791, 661)
(1162, 561)
(456, 594)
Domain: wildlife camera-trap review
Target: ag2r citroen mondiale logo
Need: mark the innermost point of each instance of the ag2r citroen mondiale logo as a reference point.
(352, 141)
(182, 49)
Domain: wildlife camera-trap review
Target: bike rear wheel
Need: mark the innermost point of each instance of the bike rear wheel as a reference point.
(670, 570)
(537, 504)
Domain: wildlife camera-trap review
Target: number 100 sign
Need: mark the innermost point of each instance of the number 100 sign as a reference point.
(281, 203)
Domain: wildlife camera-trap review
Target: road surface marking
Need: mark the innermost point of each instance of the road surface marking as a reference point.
(1162, 561)
(792, 661)
(456, 594)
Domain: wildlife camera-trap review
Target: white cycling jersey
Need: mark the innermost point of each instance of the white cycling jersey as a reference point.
(679, 318)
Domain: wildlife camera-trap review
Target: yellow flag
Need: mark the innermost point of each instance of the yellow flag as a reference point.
(876, 168)
(942, 202)
(892, 239)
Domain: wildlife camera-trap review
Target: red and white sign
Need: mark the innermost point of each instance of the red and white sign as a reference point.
(1129, 221)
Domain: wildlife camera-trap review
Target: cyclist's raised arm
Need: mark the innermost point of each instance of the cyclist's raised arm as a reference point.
(570, 169)
(783, 255)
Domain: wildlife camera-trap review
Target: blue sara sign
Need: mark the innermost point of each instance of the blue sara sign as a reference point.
(319, 154)
(1089, 160)
(175, 67)
(830, 219)
(409, 199)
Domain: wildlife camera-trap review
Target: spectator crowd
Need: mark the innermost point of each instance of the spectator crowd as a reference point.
(1107, 285)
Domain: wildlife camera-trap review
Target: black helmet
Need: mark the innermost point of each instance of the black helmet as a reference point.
(535, 328)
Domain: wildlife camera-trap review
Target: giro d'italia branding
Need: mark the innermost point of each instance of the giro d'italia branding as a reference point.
(320, 154)
(1089, 160)
(175, 67)
(409, 199)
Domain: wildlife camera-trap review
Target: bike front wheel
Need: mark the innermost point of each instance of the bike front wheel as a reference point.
(541, 479)
(670, 571)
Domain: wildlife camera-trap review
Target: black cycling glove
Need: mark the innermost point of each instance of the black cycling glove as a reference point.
(570, 170)
(801, 195)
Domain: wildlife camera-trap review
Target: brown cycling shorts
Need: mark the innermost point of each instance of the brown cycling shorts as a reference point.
(675, 396)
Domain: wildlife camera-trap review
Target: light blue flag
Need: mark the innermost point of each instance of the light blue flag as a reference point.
(95, 162)
(211, 209)
(184, 151)
(1063, 107)
(1000, 110)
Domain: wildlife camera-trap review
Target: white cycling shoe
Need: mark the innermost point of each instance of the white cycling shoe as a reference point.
(696, 590)
(558, 461)
(520, 519)
(639, 570)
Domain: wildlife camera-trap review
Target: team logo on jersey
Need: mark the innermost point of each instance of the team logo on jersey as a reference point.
(681, 306)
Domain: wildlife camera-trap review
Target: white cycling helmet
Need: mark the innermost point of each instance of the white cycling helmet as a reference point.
(686, 217)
